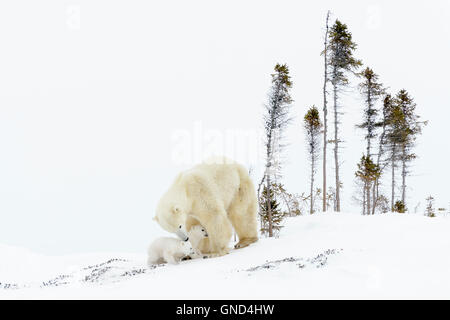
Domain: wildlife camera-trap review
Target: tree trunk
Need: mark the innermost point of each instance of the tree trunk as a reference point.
(404, 175)
(269, 208)
(369, 135)
(336, 151)
(268, 180)
(325, 112)
(375, 190)
(374, 195)
(364, 198)
(311, 209)
(369, 124)
(375, 200)
(324, 162)
(376, 183)
(259, 203)
(393, 182)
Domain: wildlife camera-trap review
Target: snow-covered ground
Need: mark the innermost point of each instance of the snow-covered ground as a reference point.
(322, 256)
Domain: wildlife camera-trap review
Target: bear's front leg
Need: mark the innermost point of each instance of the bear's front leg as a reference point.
(219, 233)
(196, 255)
(169, 258)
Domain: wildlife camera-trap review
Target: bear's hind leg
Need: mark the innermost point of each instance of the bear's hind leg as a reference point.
(243, 218)
(153, 259)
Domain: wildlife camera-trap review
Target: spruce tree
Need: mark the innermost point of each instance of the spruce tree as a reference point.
(403, 127)
(367, 172)
(393, 142)
(429, 211)
(371, 90)
(341, 62)
(325, 114)
(411, 127)
(399, 207)
(313, 127)
(276, 120)
(382, 146)
(270, 212)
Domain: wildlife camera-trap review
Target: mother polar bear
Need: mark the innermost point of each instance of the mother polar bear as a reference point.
(217, 194)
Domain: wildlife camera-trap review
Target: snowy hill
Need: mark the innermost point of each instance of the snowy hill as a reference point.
(321, 256)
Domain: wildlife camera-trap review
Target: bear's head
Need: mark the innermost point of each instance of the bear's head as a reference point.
(171, 214)
(198, 231)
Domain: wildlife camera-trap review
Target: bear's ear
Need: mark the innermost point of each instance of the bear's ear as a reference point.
(155, 218)
(176, 209)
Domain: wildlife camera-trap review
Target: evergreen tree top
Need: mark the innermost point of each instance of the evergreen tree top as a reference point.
(406, 118)
(406, 103)
(279, 97)
(387, 102)
(282, 75)
(312, 118)
(340, 48)
(386, 110)
(370, 80)
(367, 169)
(340, 30)
(372, 90)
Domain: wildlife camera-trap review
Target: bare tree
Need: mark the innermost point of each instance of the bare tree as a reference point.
(291, 201)
(331, 198)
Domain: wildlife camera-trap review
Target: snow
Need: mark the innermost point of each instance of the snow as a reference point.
(326, 256)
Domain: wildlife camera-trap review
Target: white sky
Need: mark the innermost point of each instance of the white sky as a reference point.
(93, 94)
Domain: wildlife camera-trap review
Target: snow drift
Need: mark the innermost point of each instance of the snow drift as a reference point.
(326, 256)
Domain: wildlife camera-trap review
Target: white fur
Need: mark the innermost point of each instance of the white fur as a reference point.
(218, 195)
(197, 234)
(168, 250)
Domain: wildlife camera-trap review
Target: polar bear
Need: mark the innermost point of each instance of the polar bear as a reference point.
(196, 234)
(169, 250)
(217, 194)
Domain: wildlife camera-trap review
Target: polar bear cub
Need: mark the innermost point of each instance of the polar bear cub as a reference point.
(196, 235)
(168, 250)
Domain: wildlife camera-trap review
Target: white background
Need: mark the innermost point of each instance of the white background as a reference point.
(94, 95)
